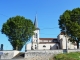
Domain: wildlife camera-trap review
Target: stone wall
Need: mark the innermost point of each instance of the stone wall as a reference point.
(73, 50)
(13, 59)
(45, 54)
(41, 54)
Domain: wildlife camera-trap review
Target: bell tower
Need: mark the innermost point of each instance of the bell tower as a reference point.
(35, 37)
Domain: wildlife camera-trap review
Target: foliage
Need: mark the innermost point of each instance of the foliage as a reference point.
(67, 56)
(70, 20)
(19, 30)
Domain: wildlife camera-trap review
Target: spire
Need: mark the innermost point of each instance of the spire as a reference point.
(35, 22)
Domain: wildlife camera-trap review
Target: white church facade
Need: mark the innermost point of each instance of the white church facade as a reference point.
(37, 43)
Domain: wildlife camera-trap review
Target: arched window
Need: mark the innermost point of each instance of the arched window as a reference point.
(31, 47)
(35, 36)
(44, 46)
(35, 47)
(50, 47)
(36, 40)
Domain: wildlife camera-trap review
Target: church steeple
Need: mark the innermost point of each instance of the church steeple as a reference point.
(35, 37)
(36, 23)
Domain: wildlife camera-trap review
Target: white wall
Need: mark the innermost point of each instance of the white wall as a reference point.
(63, 39)
(75, 47)
(53, 45)
(8, 54)
(16, 52)
(28, 46)
(64, 42)
(35, 40)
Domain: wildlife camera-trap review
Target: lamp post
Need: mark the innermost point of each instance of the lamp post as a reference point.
(66, 39)
(66, 36)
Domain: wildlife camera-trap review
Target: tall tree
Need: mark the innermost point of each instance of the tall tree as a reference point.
(71, 20)
(19, 30)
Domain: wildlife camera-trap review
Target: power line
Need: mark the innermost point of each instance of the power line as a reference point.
(48, 34)
(49, 28)
(40, 29)
(4, 15)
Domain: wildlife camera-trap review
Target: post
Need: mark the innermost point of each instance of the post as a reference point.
(66, 39)
(25, 47)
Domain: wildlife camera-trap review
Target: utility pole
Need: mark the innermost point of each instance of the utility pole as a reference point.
(66, 38)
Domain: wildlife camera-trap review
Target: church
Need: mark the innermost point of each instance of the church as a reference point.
(61, 42)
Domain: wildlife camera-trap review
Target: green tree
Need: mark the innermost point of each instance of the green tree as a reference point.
(71, 20)
(19, 30)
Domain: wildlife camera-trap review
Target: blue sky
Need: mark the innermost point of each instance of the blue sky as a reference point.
(48, 12)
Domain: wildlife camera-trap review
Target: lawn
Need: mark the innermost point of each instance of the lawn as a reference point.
(67, 56)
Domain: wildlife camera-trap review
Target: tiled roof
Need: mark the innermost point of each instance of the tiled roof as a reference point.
(48, 38)
(46, 43)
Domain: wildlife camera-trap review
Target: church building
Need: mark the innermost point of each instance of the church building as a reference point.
(38, 43)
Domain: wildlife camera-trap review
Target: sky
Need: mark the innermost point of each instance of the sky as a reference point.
(48, 12)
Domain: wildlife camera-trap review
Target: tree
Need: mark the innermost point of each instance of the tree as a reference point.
(71, 20)
(19, 30)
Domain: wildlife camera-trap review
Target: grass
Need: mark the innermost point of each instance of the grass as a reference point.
(67, 56)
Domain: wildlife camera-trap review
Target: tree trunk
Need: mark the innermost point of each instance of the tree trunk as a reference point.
(78, 44)
(16, 47)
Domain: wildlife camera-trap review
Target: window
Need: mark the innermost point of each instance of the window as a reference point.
(55, 40)
(31, 47)
(44, 46)
(35, 47)
(50, 47)
(45, 40)
(50, 40)
(35, 36)
(36, 40)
